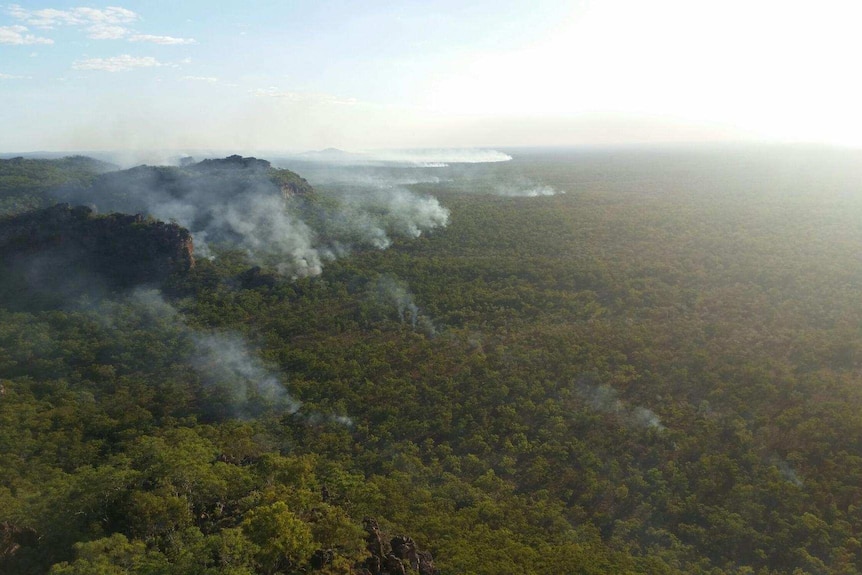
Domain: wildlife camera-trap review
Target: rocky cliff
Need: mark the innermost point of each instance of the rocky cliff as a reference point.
(121, 249)
(400, 557)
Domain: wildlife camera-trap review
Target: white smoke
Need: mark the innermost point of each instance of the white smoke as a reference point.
(605, 399)
(226, 362)
(389, 290)
(643, 417)
(263, 225)
(373, 216)
(525, 191)
(234, 202)
(787, 472)
(227, 365)
(369, 177)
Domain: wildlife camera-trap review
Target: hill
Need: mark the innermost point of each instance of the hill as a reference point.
(64, 250)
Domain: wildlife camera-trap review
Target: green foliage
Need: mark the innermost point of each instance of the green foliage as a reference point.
(114, 555)
(283, 540)
(26, 184)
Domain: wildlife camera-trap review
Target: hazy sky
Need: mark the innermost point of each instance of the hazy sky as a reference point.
(297, 75)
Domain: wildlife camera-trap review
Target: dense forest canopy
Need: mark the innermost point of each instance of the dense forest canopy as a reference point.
(578, 361)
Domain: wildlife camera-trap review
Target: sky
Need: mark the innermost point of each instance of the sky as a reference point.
(303, 75)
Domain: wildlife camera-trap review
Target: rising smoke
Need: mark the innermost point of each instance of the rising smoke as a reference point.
(372, 215)
(238, 383)
(605, 399)
(390, 291)
(236, 202)
(227, 364)
(524, 189)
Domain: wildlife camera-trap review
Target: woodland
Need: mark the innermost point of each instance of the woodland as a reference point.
(655, 370)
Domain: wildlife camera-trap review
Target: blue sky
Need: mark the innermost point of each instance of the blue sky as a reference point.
(305, 75)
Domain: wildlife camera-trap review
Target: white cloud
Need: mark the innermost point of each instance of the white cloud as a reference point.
(120, 63)
(163, 40)
(80, 16)
(12, 77)
(99, 24)
(17, 35)
(106, 32)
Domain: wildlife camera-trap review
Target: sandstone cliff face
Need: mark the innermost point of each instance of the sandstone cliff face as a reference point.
(123, 249)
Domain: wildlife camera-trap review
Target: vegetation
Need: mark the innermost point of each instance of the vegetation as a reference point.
(655, 372)
(26, 183)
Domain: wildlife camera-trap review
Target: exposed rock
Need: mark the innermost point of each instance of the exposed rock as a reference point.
(374, 542)
(395, 558)
(322, 558)
(426, 564)
(13, 537)
(394, 566)
(122, 249)
(405, 548)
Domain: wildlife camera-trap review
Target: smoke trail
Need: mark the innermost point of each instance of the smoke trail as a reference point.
(392, 291)
(374, 215)
(525, 191)
(787, 472)
(604, 399)
(239, 384)
(263, 225)
(227, 364)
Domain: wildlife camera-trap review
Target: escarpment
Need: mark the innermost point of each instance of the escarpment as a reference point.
(122, 249)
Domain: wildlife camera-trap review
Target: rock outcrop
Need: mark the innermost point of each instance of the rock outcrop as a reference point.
(122, 249)
(397, 558)
(13, 538)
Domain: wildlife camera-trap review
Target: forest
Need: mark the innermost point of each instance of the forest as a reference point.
(647, 362)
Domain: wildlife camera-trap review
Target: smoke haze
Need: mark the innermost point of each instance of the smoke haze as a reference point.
(423, 158)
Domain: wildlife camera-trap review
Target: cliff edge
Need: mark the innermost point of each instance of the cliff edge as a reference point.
(123, 249)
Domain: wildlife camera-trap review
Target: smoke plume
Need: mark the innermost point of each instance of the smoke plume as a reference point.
(525, 190)
(236, 202)
(391, 291)
(604, 399)
(375, 215)
(238, 383)
(226, 363)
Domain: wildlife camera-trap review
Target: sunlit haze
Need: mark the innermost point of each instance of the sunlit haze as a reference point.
(310, 75)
